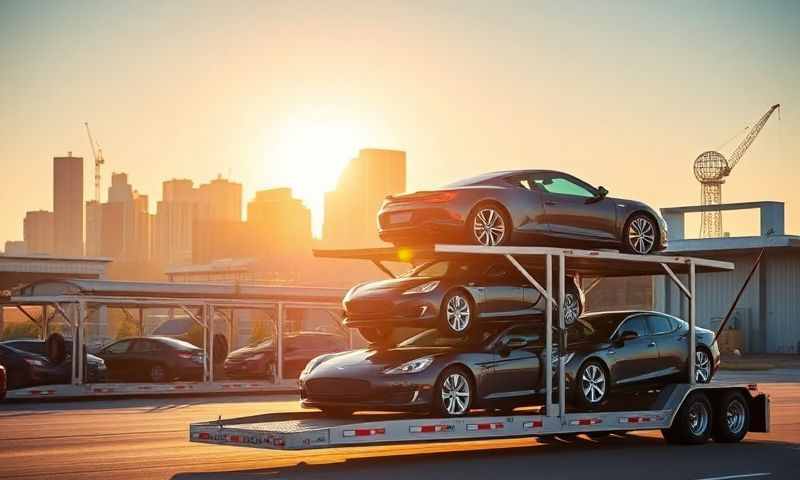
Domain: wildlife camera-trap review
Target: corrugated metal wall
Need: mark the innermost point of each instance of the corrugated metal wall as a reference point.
(783, 301)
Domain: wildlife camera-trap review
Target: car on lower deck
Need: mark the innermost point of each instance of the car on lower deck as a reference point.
(3, 382)
(454, 295)
(153, 359)
(24, 369)
(522, 207)
(62, 373)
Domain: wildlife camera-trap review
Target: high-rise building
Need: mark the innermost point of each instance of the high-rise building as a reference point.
(280, 222)
(174, 222)
(38, 232)
(125, 223)
(220, 200)
(351, 209)
(15, 248)
(68, 205)
(94, 228)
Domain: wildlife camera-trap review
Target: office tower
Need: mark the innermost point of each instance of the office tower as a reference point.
(220, 200)
(351, 209)
(94, 228)
(38, 233)
(68, 205)
(174, 222)
(281, 223)
(125, 223)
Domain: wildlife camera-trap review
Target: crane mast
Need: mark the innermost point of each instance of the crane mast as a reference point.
(749, 139)
(97, 152)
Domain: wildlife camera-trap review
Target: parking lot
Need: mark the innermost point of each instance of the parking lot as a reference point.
(147, 438)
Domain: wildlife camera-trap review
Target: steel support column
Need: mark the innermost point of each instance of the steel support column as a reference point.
(211, 322)
(692, 321)
(548, 338)
(279, 341)
(562, 347)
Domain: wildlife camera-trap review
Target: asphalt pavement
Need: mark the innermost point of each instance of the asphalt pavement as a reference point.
(148, 439)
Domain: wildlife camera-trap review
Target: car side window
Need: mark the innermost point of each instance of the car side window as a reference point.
(561, 186)
(634, 324)
(659, 324)
(142, 346)
(119, 347)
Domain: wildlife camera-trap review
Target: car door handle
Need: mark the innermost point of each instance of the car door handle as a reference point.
(550, 203)
(651, 344)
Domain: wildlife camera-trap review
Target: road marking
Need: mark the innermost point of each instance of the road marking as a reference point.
(744, 475)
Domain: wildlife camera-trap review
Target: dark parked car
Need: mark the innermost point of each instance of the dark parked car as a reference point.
(3, 383)
(24, 369)
(62, 373)
(155, 359)
(525, 207)
(615, 350)
(258, 360)
(502, 368)
(452, 295)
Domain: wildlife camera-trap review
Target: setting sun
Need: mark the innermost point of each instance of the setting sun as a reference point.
(312, 149)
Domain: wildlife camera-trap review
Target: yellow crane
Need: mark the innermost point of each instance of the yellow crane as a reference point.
(97, 152)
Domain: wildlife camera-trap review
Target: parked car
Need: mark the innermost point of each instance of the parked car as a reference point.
(454, 295)
(615, 350)
(155, 359)
(24, 369)
(62, 373)
(3, 383)
(501, 368)
(259, 360)
(523, 207)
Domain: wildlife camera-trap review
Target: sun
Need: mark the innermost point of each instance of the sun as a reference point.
(310, 151)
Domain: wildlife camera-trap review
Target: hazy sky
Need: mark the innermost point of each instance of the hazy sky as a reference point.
(624, 94)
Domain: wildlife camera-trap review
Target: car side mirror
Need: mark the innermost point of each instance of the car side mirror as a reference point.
(599, 195)
(516, 342)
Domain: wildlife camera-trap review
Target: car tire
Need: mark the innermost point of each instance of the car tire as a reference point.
(337, 412)
(457, 313)
(489, 225)
(56, 348)
(732, 421)
(592, 384)
(377, 335)
(158, 373)
(693, 422)
(573, 302)
(454, 393)
(640, 235)
(703, 365)
(220, 345)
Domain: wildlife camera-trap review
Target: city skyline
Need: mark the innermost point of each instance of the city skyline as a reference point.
(519, 92)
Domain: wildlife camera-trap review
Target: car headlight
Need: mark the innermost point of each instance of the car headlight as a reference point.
(424, 288)
(314, 363)
(414, 366)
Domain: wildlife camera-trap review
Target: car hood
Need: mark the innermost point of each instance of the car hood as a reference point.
(250, 351)
(370, 359)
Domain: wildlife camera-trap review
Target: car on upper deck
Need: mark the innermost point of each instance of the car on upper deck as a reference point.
(522, 207)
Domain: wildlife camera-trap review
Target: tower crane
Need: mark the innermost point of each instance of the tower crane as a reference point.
(711, 168)
(97, 152)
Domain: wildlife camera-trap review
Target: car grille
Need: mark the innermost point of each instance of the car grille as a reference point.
(337, 387)
(366, 307)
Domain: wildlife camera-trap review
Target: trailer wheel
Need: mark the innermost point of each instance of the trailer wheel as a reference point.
(56, 348)
(732, 421)
(692, 424)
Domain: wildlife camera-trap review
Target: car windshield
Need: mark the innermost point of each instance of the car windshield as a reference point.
(179, 344)
(594, 326)
(434, 338)
(446, 269)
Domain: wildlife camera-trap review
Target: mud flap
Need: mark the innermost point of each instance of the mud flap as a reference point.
(759, 413)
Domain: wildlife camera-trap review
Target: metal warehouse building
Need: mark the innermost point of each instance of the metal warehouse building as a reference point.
(768, 314)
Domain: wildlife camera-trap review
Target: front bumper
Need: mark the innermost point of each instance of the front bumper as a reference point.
(403, 392)
(401, 310)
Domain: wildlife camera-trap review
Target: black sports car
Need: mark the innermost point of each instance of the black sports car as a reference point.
(455, 296)
(24, 369)
(500, 368)
(527, 207)
(155, 359)
(615, 350)
(62, 372)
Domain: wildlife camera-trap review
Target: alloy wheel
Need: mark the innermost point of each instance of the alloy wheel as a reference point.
(641, 235)
(489, 228)
(735, 416)
(593, 384)
(458, 313)
(702, 367)
(571, 308)
(698, 418)
(456, 394)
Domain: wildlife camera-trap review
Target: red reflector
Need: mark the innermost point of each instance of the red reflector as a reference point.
(203, 435)
(236, 438)
(363, 432)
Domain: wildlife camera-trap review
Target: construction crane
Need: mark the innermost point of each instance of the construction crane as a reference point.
(98, 161)
(711, 168)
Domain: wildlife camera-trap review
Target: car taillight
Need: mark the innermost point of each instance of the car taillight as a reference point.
(186, 355)
(439, 197)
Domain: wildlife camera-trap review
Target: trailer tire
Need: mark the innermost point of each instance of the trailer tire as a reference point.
(693, 422)
(56, 348)
(732, 421)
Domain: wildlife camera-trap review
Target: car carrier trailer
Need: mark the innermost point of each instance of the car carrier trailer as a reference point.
(685, 412)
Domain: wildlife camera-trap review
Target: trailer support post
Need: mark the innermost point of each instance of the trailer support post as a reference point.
(548, 338)
(204, 314)
(562, 347)
(279, 340)
(692, 322)
(211, 322)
